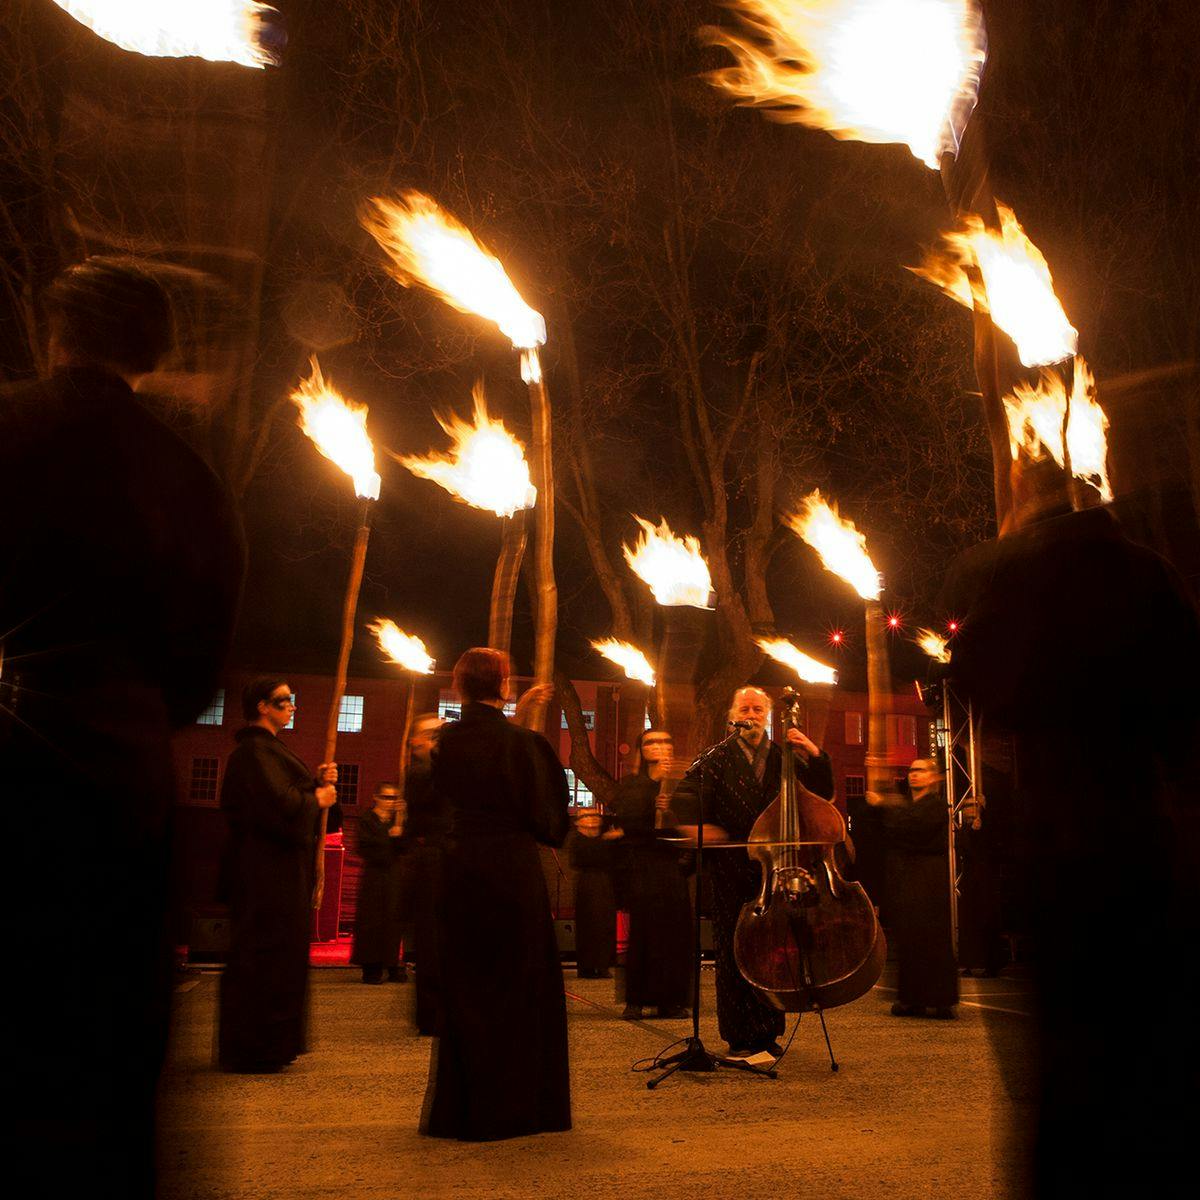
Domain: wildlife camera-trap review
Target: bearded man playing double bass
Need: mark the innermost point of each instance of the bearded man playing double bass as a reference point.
(736, 783)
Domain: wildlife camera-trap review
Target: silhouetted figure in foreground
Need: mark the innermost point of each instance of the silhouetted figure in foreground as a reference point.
(591, 847)
(1083, 645)
(499, 1066)
(272, 802)
(120, 566)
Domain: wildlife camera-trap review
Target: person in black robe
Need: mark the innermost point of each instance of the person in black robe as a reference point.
(499, 1067)
(658, 956)
(425, 836)
(918, 891)
(381, 915)
(121, 560)
(271, 802)
(736, 783)
(978, 847)
(1083, 646)
(590, 851)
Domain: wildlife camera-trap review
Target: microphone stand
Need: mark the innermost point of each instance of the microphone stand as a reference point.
(695, 1056)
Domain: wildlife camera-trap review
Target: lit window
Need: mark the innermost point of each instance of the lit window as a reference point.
(451, 710)
(292, 719)
(589, 720)
(581, 796)
(350, 715)
(854, 729)
(214, 714)
(202, 787)
(347, 784)
(856, 787)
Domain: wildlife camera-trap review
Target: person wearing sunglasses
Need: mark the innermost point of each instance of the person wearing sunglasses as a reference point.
(272, 802)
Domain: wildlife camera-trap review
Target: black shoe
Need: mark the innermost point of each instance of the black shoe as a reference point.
(372, 975)
(772, 1048)
(633, 1012)
(397, 975)
(906, 1010)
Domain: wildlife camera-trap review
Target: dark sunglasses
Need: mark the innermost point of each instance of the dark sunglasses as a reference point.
(281, 702)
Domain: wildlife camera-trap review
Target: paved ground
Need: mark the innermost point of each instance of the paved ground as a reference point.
(920, 1109)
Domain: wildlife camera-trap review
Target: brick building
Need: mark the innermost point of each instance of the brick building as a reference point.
(370, 727)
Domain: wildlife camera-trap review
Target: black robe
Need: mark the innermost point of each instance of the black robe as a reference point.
(918, 891)
(268, 797)
(499, 1067)
(733, 799)
(595, 905)
(380, 916)
(1083, 646)
(658, 957)
(425, 835)
(120, 567)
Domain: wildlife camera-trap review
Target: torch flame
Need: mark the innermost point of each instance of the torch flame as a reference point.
(673, 567)
(933, 644)
(629, 658)
(218, 30)
(486, 465)
(811, 671)
(402, 648)
(842, 548)
(864, 70)
(1036, 415)
(1017, 288)
(338, 429)
(428, 247)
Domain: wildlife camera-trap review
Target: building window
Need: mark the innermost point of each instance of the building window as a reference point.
(856, 787)
(292, 722)
(589, 720)
(347, 784)
(202, 787)
(451, 710)
(581, 796)
(854, 729)
(350, 715)
(214, 714)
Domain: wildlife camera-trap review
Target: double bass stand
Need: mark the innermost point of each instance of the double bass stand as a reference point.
(695, 1056)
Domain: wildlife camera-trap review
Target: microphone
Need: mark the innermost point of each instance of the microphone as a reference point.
(741, 724)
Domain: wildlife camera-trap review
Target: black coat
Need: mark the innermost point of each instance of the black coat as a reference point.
(658, 958)
(121, 562)
(268, 797)
(1085, 648)
(918, 891)
(595, 904)
(499, 1068)
(379, 918)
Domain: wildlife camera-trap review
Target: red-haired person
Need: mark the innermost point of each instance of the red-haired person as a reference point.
(499, 1067)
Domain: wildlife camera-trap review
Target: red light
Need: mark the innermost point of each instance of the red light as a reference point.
(894, 622)
(836, 637)
(951, 626)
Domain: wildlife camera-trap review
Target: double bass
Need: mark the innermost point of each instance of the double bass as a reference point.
(810, 939)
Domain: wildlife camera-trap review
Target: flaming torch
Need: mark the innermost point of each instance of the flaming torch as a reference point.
(486, 469)
(408, 652)
(808, 669)
(217, 30)
(339, 431)
(1069, 426)
(934, 645)
(629, 658)
(677, 574)
(904, 71)
(843, 551)
(428, 248)
(1013, 285)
